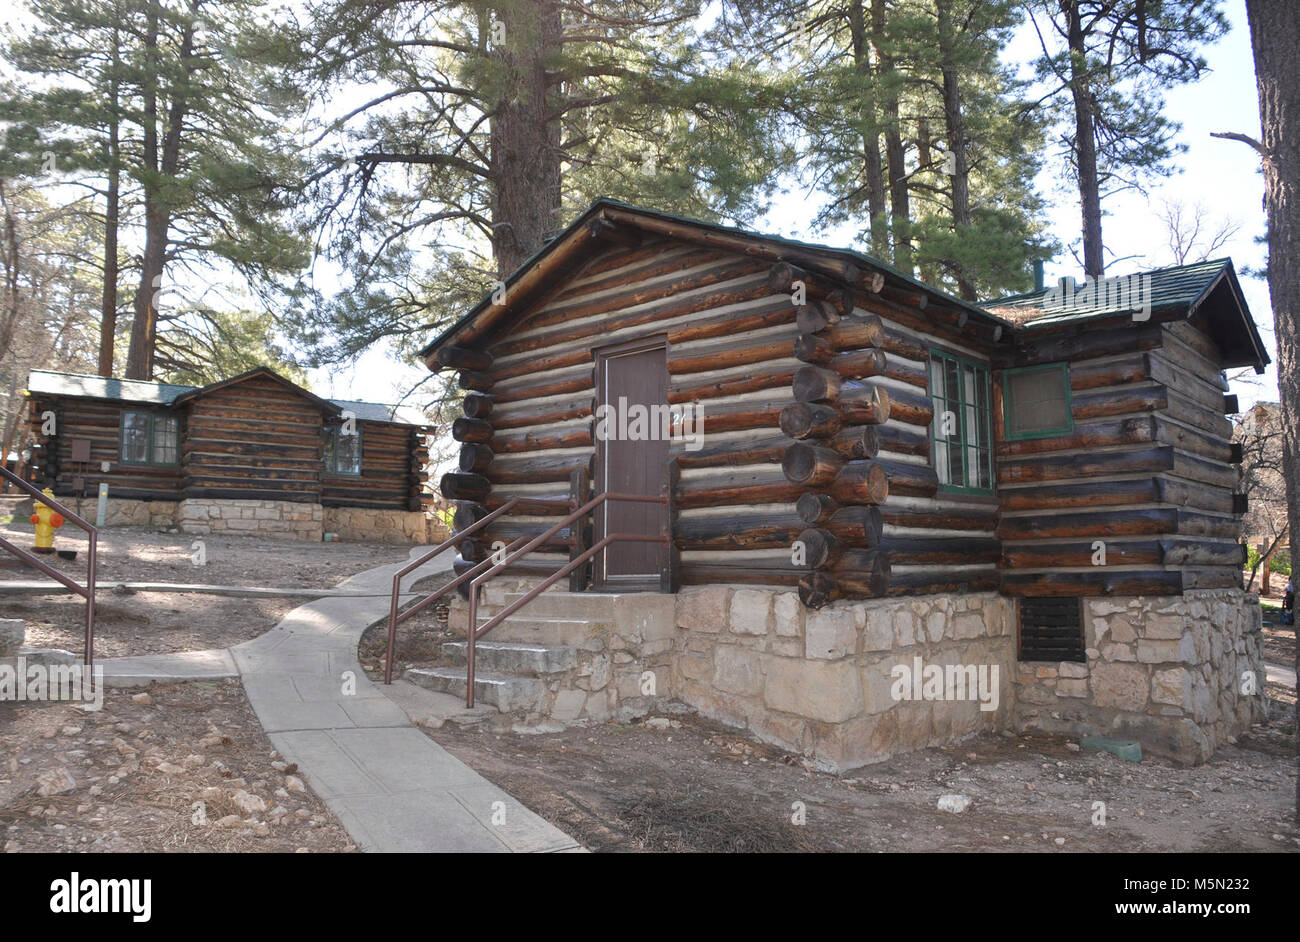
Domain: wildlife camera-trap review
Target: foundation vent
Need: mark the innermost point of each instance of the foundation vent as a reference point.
(1051, 629)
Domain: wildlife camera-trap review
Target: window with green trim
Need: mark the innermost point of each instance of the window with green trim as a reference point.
(149, 438)
(343, 449)
(963, 427)
(1036, 401)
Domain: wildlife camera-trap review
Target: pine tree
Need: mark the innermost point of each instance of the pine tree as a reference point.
(1105, 65)
(179, 112)
(492, 125)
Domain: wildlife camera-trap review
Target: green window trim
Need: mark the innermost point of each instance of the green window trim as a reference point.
(330, 455)
(1008, 403)
(963, 442)
(152, 421)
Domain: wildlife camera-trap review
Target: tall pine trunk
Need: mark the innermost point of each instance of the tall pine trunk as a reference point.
(525, 135)
(139, 357)
(1275, 36)
(108, 307)
(1085, 143)
(869, 123)
(900, 214)
(164, 160)
(956, 134)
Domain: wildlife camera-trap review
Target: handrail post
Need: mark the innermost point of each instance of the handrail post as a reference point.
(511, 556)
(392, 631)
(91, 552)
(92, 536)
(471, 636)
(454, 539)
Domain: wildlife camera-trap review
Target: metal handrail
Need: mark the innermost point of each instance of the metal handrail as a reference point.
(474, 632)
(394, 618)
(87, 591)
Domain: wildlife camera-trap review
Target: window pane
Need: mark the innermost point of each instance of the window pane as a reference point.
(165, 439)
(343, 452)
(135, 437)
(1037, 401)
(349, 454)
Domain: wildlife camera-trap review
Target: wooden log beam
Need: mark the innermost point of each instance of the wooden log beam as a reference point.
(802, 420)
(475, 380)
(819, 548)
(1101, 583)
(460, 486)
(463, 358)
(866, 404)
(810, 465)
(475, 431)
(860, 482)
(474, 457)
(816, 384)
(913, 480)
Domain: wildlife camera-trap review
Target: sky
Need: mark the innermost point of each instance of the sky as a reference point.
(1222, 177)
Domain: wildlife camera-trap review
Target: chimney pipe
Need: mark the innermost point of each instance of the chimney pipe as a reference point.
(1038, 274)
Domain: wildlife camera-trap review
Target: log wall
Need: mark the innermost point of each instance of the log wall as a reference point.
(98, 422)
(393, 459)
(257, 440)
(816, 468)
(1146, 475)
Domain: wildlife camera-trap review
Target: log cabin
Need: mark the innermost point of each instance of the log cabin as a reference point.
(1044, 483)
(255, 453)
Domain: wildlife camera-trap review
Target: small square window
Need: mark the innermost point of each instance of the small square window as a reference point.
(343, 450)
(1037, 401)
(150, 438)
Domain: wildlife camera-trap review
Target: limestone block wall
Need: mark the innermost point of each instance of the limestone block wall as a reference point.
(1173, 672)
(611, 656)
(122, 512)
(243, 517)
(827, 683)
(378, 526)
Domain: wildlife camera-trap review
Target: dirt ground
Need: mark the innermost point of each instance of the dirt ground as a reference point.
(138, 554)
(685, 784)
(165, 770)
(138, 623)
(145, 622)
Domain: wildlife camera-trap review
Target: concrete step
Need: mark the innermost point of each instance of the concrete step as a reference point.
(519, 658)
(502, 691)
(536, 629)
(589, 605)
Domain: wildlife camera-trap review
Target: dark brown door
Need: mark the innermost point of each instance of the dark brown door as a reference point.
(632, 443)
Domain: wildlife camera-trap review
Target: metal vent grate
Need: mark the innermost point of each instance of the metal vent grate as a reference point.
(1051, 629)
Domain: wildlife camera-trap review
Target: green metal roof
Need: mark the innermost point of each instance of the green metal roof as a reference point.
(86, 386)
(1181, 287)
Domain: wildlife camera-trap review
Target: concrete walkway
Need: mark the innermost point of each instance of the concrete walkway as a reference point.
(49, 587)
(392, 787)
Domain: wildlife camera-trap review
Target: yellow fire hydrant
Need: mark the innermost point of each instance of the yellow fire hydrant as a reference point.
(47, 521)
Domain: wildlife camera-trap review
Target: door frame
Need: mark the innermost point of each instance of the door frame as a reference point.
(599, 578)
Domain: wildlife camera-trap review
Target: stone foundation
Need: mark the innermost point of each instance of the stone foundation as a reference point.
(381, 526)
(1179, 674)
(858, 682)
(612, 655)
(825, 683)
(298, 521)
(123, 512)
